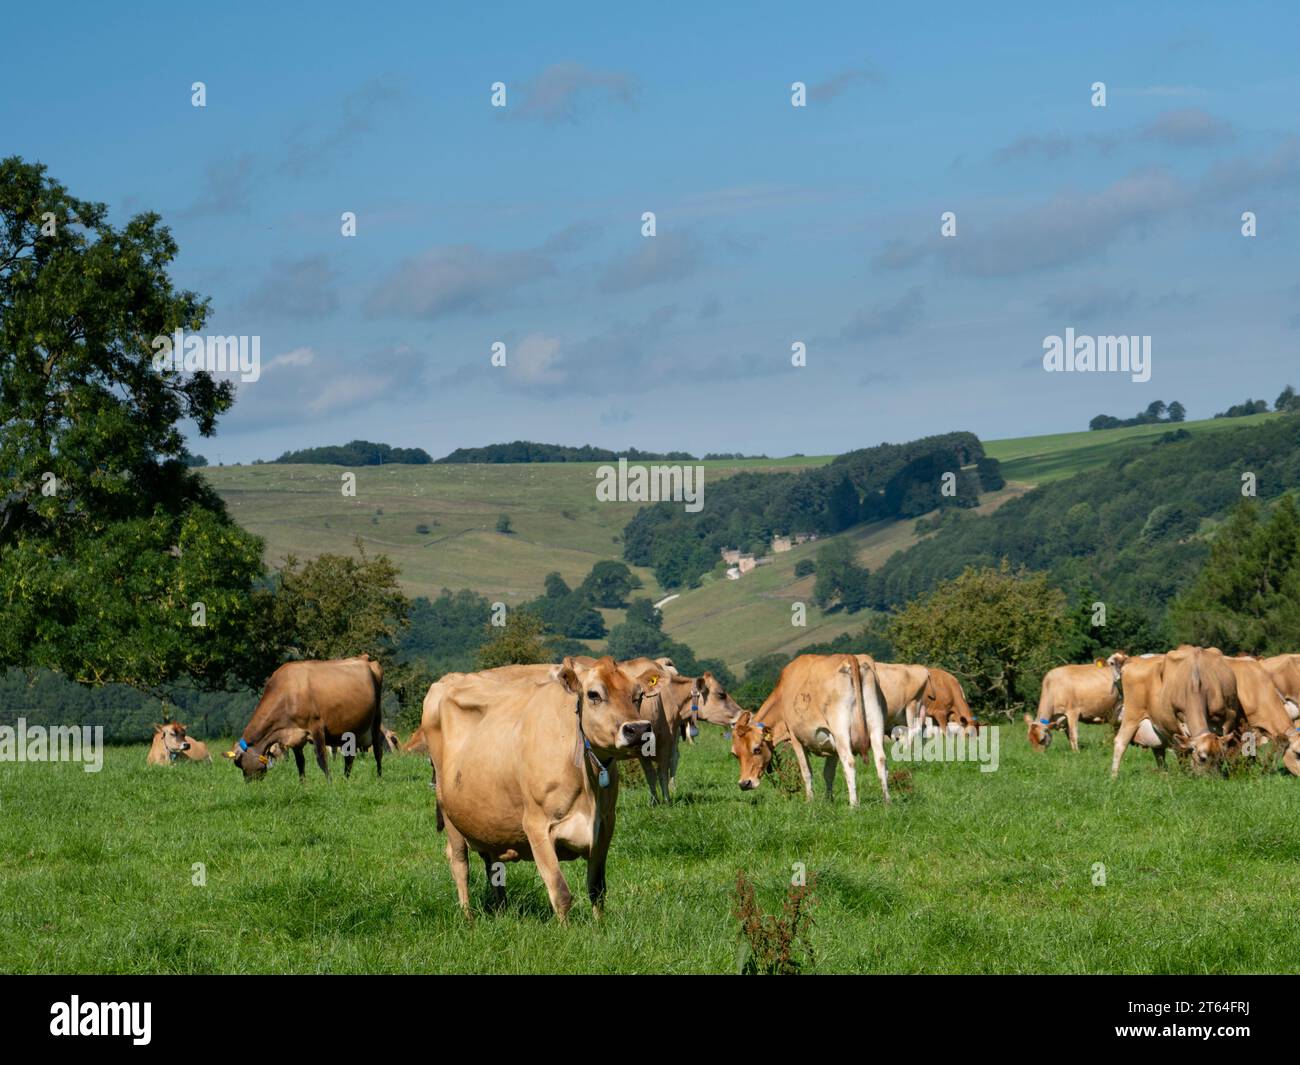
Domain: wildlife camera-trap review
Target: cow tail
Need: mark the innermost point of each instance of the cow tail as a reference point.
(855, 677)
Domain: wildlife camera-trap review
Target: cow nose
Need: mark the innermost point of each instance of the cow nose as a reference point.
(746, 785)
(632, 732)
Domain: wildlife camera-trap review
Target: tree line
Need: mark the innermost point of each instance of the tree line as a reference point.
(746, 509)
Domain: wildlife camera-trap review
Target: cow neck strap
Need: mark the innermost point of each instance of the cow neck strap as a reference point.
(585, 750)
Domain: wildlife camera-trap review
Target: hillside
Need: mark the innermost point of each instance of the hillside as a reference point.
(559, 525)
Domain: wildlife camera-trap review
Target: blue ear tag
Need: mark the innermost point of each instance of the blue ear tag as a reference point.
(1045, 721)
(604, 777)
(243, 745)
(692, 731)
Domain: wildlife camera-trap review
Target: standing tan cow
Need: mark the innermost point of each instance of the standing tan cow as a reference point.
(1176, 700)
(1285, 671)
(1072, 694)
(828, 705)
(674, 705)
(946, 702)
(325, 703)
(1265, 712)
(525, 771)
(903, 687)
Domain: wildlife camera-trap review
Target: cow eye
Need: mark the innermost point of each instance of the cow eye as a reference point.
(594, 696)
(757, 749)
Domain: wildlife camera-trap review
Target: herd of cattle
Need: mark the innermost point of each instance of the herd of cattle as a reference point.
(523, 757)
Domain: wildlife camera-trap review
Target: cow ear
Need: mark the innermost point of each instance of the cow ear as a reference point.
(1029, 719)
(744, 719)
(567, 676)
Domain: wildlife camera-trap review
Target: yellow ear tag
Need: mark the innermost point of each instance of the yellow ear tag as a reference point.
(654, 679)
(1100, 662)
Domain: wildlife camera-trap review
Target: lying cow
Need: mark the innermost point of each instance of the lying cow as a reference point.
(828, 705)
(1072, 694)
(171, 743)
(324, 703)
(1174, 700)
(525, 771)
(1264, 710)
(946, 703)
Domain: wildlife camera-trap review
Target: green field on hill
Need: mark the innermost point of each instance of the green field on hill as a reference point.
(438, 523)
(967, 872)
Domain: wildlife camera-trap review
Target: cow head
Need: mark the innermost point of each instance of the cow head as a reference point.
(1116, 663)
(1040, 733)
(752, 747)
(609, 704)
(173, 738)
(251, 759)
(1201, 752)
(713, 703)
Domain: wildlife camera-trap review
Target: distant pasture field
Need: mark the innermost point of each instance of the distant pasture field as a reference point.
(966, 873)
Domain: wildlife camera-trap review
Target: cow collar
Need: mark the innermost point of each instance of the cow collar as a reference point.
(602, 775)
(266, 760)
(172, 752)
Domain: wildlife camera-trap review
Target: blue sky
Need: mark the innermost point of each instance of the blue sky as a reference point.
(775, 224)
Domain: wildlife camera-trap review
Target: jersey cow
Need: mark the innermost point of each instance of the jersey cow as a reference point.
(828, 705)
(324, 703)
(524, 771)
(1072, 694)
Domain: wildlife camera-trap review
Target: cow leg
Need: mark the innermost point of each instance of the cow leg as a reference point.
(876, 731)
(651, 774)
(1072, 722)
(379, 742)
(497, 892)
(458, 859)
(844, 752)
(538, 831)
(1123, 737)
(828, 776)
(301, 759)
(596, 866)
(318, 740)
(802, 758)
(1159, 752)
(672, 767)
(348, 759)
(665, 759)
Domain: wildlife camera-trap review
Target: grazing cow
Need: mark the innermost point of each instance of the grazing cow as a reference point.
(319, 702)
(904, 689)
(169, 745)
(1173, 700)
(1263, 708)
(525, 771)
(1072, 694)
(1285, 670)
(828, 705)
(946, 702)
(392, 745)
(416, 744)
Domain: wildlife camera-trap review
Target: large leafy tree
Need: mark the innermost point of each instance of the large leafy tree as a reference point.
(998, 629)
(117, 561)
(1247, 595)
